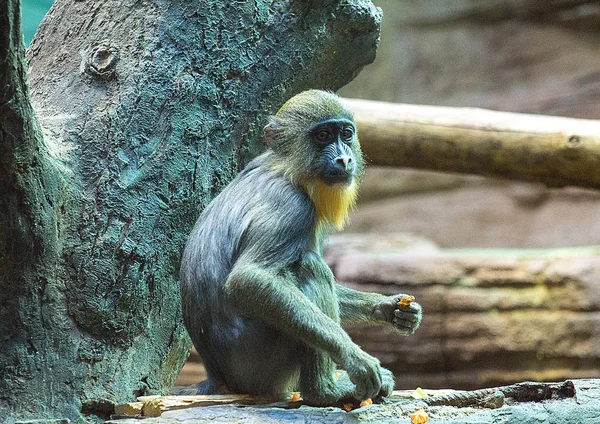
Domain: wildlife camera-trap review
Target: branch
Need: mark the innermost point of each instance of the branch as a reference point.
(551, 150)
(15, 109)
(26, 178)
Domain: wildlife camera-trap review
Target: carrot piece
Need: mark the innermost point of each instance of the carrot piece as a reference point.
(366, 402)
(406, 300)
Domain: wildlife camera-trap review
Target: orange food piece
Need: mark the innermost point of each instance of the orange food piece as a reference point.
(366, 402)
(295, 397)
(337, 374)
(406, 300)
(347, 407)
(419, 417)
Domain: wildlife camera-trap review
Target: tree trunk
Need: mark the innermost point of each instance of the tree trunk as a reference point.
(147, 110)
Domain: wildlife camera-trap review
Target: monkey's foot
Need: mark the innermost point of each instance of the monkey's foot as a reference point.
(332, 391)
(387, 387)
(206, 387)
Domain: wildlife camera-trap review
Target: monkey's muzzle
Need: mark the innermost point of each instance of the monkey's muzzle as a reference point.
(339, 169)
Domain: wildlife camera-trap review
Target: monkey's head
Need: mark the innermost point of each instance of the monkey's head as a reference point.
(314, 137)
(315, 142)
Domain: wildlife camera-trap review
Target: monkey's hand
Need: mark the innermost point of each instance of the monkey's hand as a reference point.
(387, 383)
(363, 370)
(340, 389)
(403, 318)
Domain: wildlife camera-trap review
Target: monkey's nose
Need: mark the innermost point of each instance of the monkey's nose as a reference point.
(343, 160)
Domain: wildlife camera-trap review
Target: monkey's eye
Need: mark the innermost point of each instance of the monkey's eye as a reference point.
(347, 134)
(324, 136)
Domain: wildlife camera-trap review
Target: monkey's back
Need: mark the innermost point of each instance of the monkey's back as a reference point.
(260, 215)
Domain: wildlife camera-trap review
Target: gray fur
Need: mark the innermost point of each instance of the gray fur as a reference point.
(230, 227)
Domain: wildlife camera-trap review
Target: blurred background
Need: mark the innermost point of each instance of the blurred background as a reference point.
(499, 307)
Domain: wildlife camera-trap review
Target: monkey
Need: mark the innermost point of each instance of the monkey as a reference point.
(261, 306)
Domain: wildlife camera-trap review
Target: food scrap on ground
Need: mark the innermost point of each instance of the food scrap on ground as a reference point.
(295, 397)
(419, 417)
(420, 394)
(350, 406)
(366, 402)
(347, 407)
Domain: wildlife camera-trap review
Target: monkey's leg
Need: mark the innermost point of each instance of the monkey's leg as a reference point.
(263, 294)
(261, 360)
(373, 308)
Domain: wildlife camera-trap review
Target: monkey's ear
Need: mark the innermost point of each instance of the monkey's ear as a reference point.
(270, 131)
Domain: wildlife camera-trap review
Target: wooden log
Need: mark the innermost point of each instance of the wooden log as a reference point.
(131, 409)
(154, 406)
(555, 151)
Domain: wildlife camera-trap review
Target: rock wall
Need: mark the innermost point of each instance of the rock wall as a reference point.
(521, 56)
(490, 317)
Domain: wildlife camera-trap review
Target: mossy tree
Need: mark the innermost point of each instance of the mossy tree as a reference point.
(137, 113)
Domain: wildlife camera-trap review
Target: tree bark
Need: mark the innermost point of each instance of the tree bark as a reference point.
(147, 110)
(554, 151)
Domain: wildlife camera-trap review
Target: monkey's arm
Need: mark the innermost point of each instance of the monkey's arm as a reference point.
(262, 293)
(374, 308)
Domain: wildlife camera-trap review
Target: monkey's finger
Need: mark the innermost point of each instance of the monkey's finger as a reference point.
(360, 392)
(363, 391)
(414, 306)
(404, 324)
(375, 386)
(371, 386)
(405, 315)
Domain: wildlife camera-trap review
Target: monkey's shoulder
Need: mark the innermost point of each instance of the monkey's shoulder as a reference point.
(262, 213)
(268, 193)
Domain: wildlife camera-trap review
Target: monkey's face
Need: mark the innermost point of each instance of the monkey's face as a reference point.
(333, 140)
(314, 137)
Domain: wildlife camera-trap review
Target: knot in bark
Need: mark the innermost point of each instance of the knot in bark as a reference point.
(101, 60)
(574, 141)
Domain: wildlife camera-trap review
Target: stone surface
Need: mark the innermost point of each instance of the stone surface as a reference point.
(474, 215)
(520, 56)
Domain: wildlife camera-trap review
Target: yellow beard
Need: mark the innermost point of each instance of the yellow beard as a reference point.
(332, 202)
